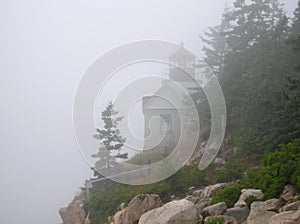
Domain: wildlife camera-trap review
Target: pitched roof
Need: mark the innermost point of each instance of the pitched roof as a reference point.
(182, 53)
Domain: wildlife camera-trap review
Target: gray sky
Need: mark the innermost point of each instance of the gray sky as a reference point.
(46, 47)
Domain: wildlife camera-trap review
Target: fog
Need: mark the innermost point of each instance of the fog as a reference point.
(46, 47)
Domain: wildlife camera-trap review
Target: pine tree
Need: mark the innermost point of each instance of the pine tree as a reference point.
(216, 46)
(254, 69)
(110, 139)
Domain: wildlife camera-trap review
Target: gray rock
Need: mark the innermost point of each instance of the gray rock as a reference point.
(190, 189)
(291, 207)
(211, 190)
(270, 205)
(122, 206)
(202, 203)
(289, 217)
(219, 161)
(73, 213)
(257, 193)
(213, 210)
(192, 199)
(240, 214)
(197, 193)
(259, 216)
(137, 206)
(287, 194)
(174, 212)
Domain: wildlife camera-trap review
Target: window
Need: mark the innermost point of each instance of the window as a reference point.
(165, 122)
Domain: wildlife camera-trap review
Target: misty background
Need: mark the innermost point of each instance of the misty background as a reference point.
(46, 47)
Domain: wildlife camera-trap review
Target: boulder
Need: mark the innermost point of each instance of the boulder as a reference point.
(227, 219)
(197, 193)
(270, 205)
(87, 219)
(73, 213)
(289, 217)
(202, 203)
(213, 210)
(240, 214)
(122, 206)
(257, 193)
(287, 194)
(191, 189)
(192, 199)
(219, 161)
(174, 212)
(257, 215)
(211, 190)
(197, 155)
(136, 207)
(291, 207)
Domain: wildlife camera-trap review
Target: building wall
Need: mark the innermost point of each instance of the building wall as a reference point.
(156, 136)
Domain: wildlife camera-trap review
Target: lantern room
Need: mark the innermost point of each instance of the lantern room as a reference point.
(182, 65)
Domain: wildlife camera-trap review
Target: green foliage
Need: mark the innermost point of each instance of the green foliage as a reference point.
(232, 170)
(110, 138)
(161, 188)
(108, 195)
(216, 220)
(280, 168)
(250, 199)
(252, 51)
(250, 54)
(106, 204)
(229, 195)
(185, 177)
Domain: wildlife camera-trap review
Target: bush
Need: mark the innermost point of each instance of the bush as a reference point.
(185, 177)
(161, 188)
(250, 199)
(229, 195)
(217, 220)
(106, 204)
(280, 168)
(231, 171)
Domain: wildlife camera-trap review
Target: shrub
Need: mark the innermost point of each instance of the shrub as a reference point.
(106, 204)
(161, 188)
(185, 177)
(280, 168)
(217, 220)
(231, 171)
(250, 199)
(229, 195)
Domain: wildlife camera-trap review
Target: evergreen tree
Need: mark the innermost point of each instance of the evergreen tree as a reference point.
(254, 70)
(216, 47)
(110, 139)
(296, 21)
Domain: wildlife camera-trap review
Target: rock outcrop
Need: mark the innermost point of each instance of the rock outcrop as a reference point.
(213, 210)
(289, 217)
(139, 205)
(294, 206)
(257, 193)
(287, 194)
(270, 205)
(211, 190)
(74, 213)
(202, 203)
(174, 212)
(258, 215)
(240, 214)
(196, 206)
